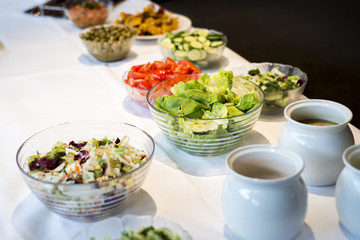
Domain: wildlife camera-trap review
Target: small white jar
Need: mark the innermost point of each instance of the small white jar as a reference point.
(263, 196)
(321, 147)
(347, 191)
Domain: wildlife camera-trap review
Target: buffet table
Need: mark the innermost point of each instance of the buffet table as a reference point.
(47, 77)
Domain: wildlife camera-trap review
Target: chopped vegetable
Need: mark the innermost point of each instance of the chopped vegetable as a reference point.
(206, 98)
(146, 76)
(109, 33)
(150, 22)
(86, 161)
(274, 80)
(279, 88)
(198, 46)
(88, 13)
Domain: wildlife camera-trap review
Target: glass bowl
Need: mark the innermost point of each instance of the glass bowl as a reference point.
(204, 56)
(276, 102)
(223, 134)
(136, 94)
(87, 13)
(86, 201)
(109, 50)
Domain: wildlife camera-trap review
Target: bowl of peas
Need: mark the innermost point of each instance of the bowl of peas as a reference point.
(108, 42)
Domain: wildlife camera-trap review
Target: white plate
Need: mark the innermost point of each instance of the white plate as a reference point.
(114, 226)
(184, 24)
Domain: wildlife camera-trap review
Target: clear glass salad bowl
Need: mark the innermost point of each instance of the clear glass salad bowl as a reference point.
(87, 13)
(108, 50)
(220, 135)
(276, 101)
(86, 201)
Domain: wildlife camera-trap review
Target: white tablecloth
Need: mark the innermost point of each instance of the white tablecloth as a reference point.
(47, 77)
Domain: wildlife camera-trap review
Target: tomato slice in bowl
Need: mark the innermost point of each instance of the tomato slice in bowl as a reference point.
(140, 78)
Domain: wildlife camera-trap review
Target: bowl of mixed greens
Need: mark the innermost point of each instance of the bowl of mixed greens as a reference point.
(282, 84)
(202, 47)
(205, 114)
(86, 170)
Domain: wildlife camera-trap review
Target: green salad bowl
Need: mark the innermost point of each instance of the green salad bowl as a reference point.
(205, 137)
(276, 101)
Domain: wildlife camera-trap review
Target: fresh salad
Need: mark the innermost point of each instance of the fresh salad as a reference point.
(145, 76)
(280, 89)
(274, 80)
(207, 98)
(210, 97)
(86, 161)
(146, 233)
(199, 46)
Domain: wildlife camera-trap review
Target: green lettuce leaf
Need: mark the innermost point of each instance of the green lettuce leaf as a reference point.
(247, 102)
(179, 106)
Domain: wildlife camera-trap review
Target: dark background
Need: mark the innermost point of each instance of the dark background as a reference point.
(322, 38)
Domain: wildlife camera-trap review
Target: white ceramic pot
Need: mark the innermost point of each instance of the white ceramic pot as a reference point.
(263, 196)
(321, 147)
(347, 191)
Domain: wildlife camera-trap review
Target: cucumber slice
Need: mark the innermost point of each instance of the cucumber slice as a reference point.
(178, 40)
(181, 47)
(186, 47)
(179, 34)
(181, 54)
(207, 43)
(168, 45)
(194, 55)
(185, 34)
(200, 32)
(189, 38)
(169, 35)
(214, 37)
(216, 43)
(203, 54)
(196, 44)
(202, 39)
(165, 40)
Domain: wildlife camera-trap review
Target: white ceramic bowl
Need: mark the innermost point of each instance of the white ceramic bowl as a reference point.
(347, 191)
(263, 196)
(321, 147)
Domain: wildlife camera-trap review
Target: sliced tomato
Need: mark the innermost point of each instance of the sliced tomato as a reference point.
(144, 85)
(147, 75)
(136, 75)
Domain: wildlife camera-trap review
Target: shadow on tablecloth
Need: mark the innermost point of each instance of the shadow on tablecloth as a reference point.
(306, 233)
(32, 220)
(172, 156)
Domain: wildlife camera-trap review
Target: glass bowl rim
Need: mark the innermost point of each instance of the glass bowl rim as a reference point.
(90, 183)
(205, 120)
(224, 37)
(256, 64)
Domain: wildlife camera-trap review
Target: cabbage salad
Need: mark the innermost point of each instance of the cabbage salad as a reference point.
(86, 161)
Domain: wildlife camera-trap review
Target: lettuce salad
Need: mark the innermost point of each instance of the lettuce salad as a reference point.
(210, 97)
(207, 98)
(86, 161)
